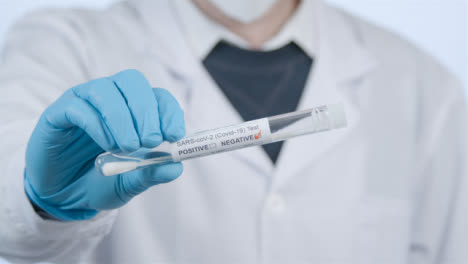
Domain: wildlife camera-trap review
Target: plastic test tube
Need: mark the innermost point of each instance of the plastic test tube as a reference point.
(251, 133)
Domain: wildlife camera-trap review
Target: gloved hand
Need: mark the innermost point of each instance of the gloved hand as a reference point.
(118, 113)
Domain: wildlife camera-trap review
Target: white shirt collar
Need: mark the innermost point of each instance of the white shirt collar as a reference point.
(203, 34)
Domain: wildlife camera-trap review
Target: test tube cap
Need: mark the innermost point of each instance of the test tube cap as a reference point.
(337, 115)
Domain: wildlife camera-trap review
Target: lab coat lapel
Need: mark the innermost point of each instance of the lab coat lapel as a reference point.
(340, 63)
(206, 106)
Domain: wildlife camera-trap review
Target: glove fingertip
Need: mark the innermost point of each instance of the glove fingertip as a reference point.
(152, 141)
(166, 173)
(175, 134)
(131, 146)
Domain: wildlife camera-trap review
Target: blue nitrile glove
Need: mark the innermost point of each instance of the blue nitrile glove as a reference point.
(118, 113)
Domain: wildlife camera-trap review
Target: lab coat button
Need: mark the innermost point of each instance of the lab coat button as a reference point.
(275, 203)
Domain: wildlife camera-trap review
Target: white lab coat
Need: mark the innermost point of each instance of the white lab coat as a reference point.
(390, 188)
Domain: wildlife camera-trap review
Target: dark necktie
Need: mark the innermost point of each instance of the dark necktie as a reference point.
(258, 83)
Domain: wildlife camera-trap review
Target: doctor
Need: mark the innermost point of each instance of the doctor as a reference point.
(390, 188)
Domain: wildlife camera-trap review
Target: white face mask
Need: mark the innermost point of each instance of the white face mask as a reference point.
(244, 10)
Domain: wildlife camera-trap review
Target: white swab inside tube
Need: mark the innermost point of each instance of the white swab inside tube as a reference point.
(251, 133)
(117, 167)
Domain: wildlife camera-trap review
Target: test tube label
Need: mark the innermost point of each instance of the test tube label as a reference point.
(252, 133)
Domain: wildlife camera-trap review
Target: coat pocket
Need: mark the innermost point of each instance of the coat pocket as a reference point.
(381, 233)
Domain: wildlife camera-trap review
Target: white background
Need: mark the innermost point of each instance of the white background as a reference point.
(437, 26)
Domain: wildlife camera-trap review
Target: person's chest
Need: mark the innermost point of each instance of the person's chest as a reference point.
(338, 196)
